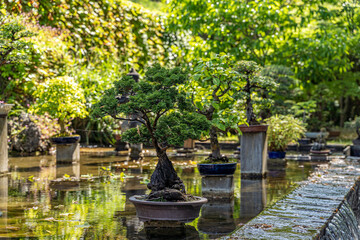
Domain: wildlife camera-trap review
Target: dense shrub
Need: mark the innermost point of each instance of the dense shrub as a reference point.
(102, 30)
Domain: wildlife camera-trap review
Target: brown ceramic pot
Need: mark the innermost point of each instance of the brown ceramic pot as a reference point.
(167, 211)
(253, 128)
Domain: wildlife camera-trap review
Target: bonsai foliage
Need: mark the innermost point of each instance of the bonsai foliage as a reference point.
(61, 98)
(13, 44)
(255, 88)
(283, 129)
(14, 48)
(167, 119)
(213, 89)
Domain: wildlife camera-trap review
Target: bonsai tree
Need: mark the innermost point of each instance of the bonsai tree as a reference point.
(256, 85)
(167, 119)
(282, 130)
(62, 98)
(213, 90)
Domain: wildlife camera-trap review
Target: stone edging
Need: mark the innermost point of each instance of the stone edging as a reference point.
(313, 210)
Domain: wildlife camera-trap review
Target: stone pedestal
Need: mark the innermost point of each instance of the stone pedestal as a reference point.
(217, 186)
(68, 153)
(189, 147)
(135, 151)
(253, 151)
(4, 110)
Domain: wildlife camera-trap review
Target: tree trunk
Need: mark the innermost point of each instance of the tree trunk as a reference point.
(164, 182)
(62, 127)
(344, 105)
(215, 147)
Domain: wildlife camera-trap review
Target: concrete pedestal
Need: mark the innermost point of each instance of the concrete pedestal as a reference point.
(217, 186)
(4, 110)
(189, 147)
(135, 151)
(67, 153)
(253, 152)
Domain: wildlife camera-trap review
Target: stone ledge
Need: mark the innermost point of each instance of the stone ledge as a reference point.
(307, 212)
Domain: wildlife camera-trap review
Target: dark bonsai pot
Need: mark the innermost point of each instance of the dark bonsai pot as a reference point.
(65, 140)
(167, 211)
(276, 154)
(217, 169)
(304, 141)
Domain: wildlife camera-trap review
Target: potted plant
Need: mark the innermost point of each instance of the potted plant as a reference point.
(282, 130)
(63, 99)
(167, 119)
(253, 139)
(213, 89)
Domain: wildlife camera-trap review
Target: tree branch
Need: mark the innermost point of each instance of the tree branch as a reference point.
(128, 119)
(158, 115)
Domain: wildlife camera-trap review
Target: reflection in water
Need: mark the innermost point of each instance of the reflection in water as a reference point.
(96, 206)
(253, 198)
(180, 232)
(217, 217)
(4, 181)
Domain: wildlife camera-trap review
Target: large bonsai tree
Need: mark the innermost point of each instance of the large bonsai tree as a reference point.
(167, 119)
(214, 90)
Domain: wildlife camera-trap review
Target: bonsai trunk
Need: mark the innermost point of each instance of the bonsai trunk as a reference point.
(164, 182)
(62, 127)
(215, 148)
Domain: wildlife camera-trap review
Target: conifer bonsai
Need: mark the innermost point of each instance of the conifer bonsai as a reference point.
(167, 119)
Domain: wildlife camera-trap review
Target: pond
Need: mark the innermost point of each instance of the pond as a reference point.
(42, 200)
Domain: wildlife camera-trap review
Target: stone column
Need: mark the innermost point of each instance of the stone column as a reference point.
(4, 110)
(68, 153)
(253, 151)
(135, 149)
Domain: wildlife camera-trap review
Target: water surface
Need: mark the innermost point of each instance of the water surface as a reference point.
(40, 199)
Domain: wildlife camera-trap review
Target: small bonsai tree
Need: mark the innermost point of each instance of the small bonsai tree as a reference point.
(62, 98)
(213, 90)
(283, 129)
(255, 87)
(167, 119)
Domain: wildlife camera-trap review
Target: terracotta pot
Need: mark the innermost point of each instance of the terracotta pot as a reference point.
(253, 128)
(167, 211)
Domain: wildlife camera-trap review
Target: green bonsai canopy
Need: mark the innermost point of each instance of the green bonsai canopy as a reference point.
(61, 98)
(167, 118)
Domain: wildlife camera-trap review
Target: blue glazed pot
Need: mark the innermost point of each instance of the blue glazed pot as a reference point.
(65, 140)
(274, 155)
(217, 169)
